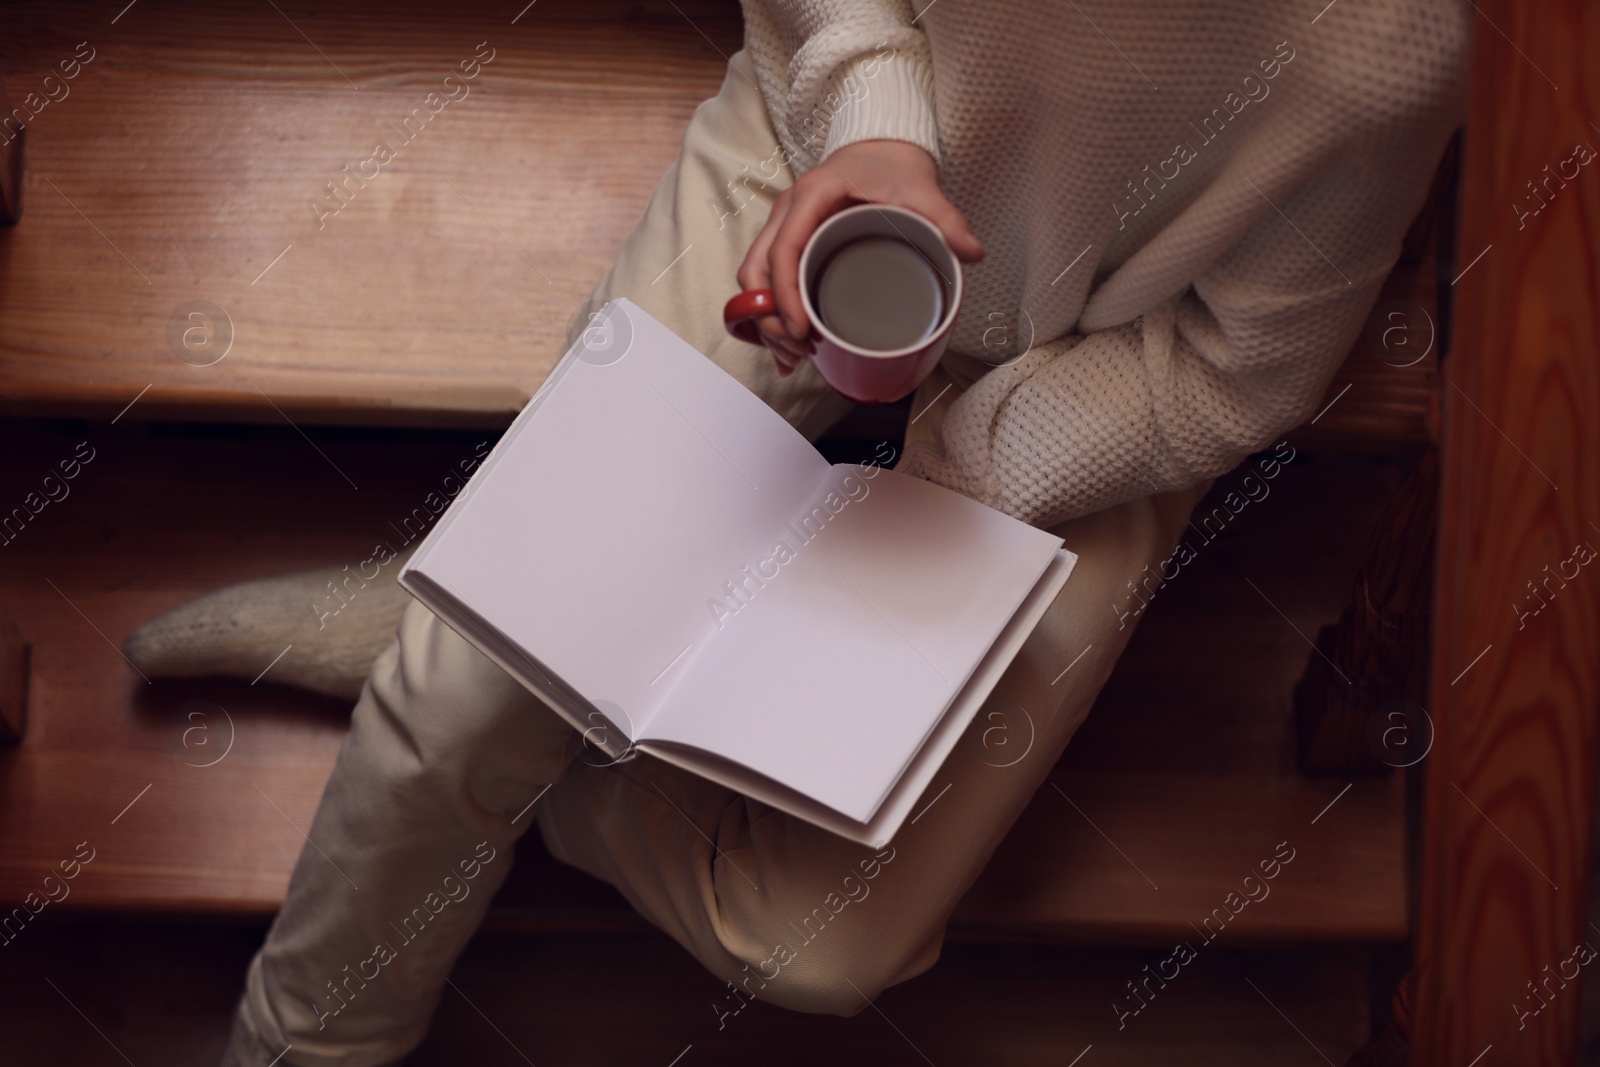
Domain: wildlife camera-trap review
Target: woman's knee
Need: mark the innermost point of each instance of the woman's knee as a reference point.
(778, 909)
(437, 713)
(828, 945)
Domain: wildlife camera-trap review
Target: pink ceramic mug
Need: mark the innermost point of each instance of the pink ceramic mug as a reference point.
(865, 375)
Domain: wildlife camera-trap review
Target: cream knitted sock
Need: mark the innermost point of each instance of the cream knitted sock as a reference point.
(326, 626)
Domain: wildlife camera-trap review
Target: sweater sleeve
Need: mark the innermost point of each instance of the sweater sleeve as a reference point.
(1154, 406)
(1190, 388)
(834, 72)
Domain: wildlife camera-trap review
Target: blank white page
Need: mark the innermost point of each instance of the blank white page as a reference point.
(832, 673)
(623, 497)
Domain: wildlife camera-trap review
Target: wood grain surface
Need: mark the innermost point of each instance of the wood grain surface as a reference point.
(178, 170)
(14, 656)
(1516, 675)
(179, 165)
(163, 993)
(1183, 774)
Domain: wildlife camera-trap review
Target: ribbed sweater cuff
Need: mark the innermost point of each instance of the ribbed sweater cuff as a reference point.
(883, 97)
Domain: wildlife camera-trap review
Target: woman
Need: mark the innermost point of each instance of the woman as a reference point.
(1176, 215)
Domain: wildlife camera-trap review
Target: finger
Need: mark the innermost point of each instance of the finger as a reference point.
(776, 337)
(811, 204)
(753, 272)
(951, 222)
(785, 363)
(783, 359)
(773, 328)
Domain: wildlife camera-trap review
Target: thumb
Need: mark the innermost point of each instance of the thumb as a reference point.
(953, 224)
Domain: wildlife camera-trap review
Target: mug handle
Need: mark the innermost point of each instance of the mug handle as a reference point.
(739, 314)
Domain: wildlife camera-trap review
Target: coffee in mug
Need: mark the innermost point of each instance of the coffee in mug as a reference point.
(880, 293)
(881, 289)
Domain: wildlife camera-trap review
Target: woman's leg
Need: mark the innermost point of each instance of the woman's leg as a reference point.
(788, 913)
(776, 907)
(446, 753)
(411, 840)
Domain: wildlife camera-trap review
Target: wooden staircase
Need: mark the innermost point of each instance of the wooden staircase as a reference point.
(1183, 778)
(1181, 782)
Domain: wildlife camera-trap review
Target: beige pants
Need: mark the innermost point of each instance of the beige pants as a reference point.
(448, 759)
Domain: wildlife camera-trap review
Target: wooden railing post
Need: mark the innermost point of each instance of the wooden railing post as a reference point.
(1503, 941)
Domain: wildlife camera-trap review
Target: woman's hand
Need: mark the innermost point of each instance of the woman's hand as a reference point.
(880, 172)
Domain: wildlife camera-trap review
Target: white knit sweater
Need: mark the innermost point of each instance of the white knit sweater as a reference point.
(1188, 207)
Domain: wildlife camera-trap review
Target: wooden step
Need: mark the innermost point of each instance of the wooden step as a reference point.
(180, 167)
(164, 993)
(1183, 774)
(1116, 857)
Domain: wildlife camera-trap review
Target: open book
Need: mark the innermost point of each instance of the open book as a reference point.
(675, 569)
